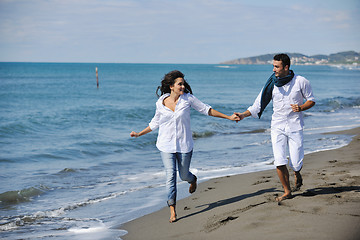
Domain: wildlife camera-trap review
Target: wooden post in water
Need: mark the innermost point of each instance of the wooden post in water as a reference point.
(97, 77)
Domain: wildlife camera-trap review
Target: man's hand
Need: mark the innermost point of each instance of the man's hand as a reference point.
(296, 107)
(307, 105)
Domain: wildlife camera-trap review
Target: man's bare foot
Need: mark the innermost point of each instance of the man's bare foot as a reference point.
(284, 197)
(298, 182)
(193, 186)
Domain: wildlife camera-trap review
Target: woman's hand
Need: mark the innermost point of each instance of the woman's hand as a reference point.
(143, 132)
(214, 113)
(134, 134)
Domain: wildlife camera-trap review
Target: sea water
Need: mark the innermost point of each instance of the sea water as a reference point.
(69, 169)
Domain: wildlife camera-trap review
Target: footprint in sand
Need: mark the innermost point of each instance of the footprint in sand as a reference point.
(261, 181)
(209, 188)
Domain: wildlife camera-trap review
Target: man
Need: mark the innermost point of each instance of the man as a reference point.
(288, 91)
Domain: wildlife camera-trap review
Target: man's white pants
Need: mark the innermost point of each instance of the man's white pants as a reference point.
(283, 139)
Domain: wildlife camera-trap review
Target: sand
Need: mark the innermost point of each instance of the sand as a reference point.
(244, 207)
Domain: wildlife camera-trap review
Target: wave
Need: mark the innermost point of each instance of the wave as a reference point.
(25, 195)
(5, 160)
(47, 156)
(67, 170)
(9, 223)
(336, 103)
(260, 130)
(14, 128)
(205, 134)
(316, 130)
(215, 172)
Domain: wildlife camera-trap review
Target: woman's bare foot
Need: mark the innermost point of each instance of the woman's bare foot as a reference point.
(173, 216)
(173, 219)
(193, 186)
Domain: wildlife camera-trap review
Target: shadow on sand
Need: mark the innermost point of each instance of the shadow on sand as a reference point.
(230, 201)
(329, 190)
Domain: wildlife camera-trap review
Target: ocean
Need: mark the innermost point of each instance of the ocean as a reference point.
(69, 169)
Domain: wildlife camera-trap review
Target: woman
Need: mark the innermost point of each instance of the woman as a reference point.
(174, 140)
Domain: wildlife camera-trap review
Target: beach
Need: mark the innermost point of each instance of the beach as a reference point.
(243, 206)
(70, 170)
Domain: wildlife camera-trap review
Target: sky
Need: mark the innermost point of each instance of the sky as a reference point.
(173, 31)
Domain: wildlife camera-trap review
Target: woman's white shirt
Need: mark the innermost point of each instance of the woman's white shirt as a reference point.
(174, 126)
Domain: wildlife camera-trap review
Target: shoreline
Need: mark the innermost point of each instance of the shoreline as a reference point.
(243, 206)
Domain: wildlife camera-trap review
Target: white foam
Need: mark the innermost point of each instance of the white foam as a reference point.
(87, 230)
(206, 174)
(332, 128)
(94, 232)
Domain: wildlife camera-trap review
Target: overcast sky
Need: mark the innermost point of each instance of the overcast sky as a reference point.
(173, 31)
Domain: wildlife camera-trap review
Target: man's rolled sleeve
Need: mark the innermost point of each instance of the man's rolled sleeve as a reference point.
(255, 108)
(307, 90)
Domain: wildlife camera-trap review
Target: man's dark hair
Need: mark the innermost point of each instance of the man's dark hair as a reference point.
(284, 58)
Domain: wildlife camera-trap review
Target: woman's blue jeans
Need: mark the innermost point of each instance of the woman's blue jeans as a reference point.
(170, 160)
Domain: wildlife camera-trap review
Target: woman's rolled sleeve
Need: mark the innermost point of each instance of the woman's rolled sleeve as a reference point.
(199, 105)
(154, 123)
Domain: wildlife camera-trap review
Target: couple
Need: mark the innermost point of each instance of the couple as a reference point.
(175, 142)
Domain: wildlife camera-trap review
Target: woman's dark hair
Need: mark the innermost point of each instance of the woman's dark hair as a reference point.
(169, 80)
(284, 58)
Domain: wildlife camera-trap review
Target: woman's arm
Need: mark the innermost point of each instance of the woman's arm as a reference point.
(207, 110)
(214, 113)
(154, 124)
(143, 132)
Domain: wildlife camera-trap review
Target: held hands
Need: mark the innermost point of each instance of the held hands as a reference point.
(234, 117)
(240, 116)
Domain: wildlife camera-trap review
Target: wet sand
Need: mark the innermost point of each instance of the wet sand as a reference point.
(243, 206)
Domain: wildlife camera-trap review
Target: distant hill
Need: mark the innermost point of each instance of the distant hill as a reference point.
(349, 57)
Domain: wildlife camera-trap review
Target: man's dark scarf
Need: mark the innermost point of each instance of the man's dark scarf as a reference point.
(269, 86)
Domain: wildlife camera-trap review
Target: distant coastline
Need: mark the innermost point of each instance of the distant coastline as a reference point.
(341, 58)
